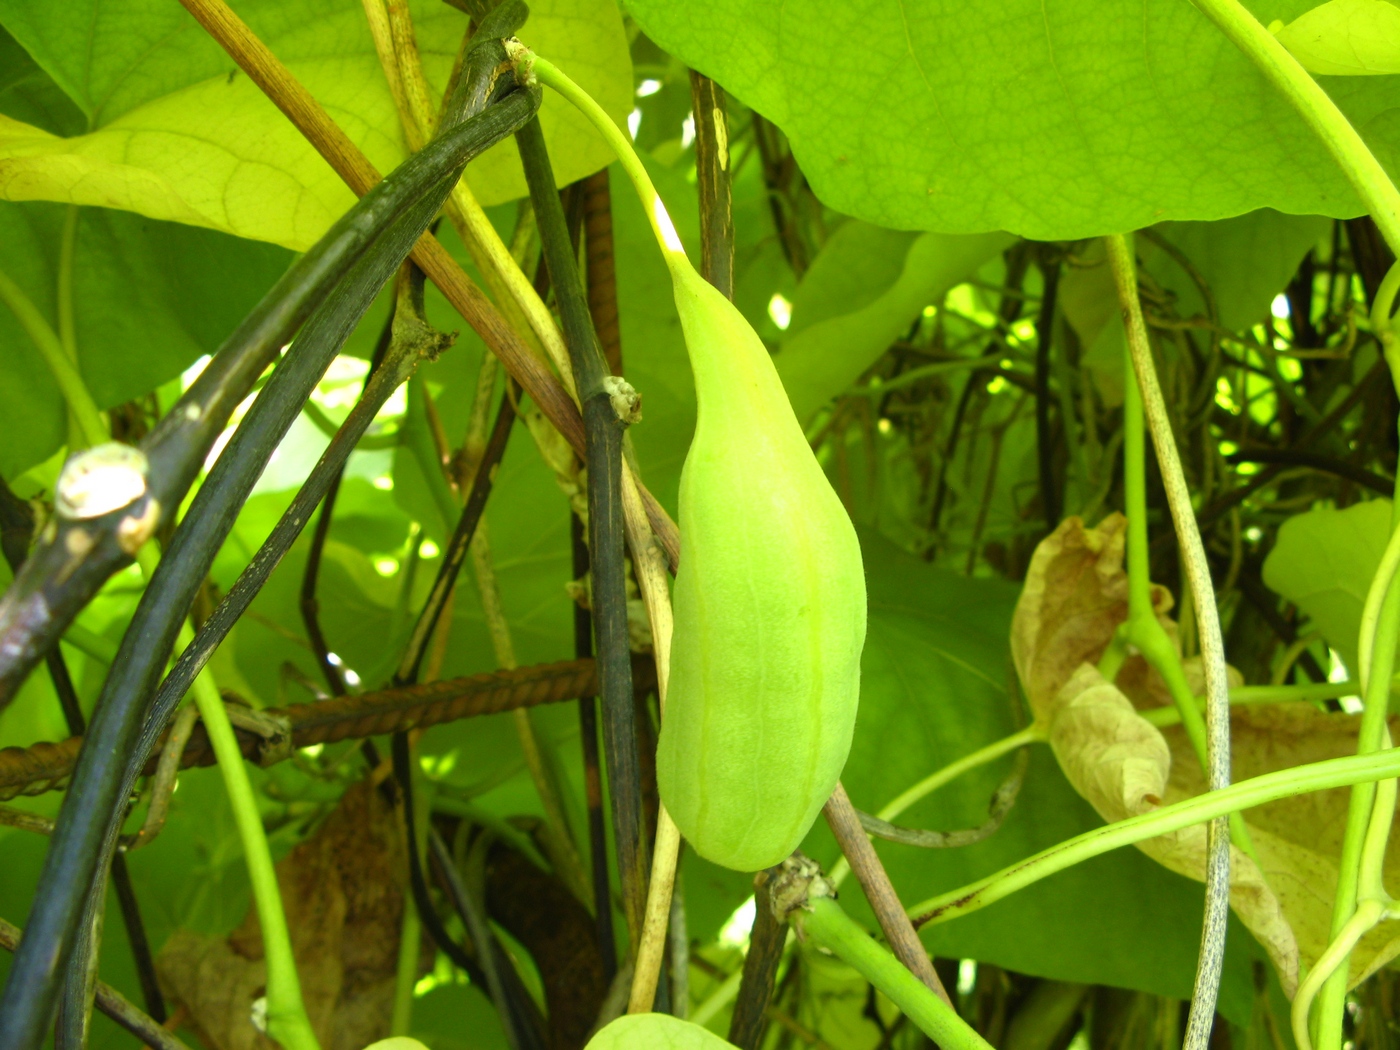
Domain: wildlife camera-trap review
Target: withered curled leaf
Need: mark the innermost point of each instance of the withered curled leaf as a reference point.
(1074, 599)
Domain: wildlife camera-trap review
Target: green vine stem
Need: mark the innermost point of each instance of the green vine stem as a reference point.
(1382, 200)
(287, 1021)
(530, 64)
(1196, 569)
(287, 1018)
(1361, 168)
(424, 801)
(1284, 783)
(1142, 629)
(1332, 960)
(1371, 811)
(83, 408)
(1382, 324)
(67, 328)
(823, 921)
(1259, 694)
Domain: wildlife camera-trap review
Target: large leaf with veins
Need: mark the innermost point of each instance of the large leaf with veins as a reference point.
(1053, 120)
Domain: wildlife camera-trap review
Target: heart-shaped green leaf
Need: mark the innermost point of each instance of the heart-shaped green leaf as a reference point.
(1055, 121)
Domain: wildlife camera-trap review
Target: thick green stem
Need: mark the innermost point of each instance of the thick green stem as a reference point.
(1142, 629)
(826, 924)
(406, 973)
(1382, 324)
(411, 931)
(551, 76)
(287, 1020)
(286, 1016)
(1285, 783)
(1332, 961)
(1196, 570)
(1361, 168)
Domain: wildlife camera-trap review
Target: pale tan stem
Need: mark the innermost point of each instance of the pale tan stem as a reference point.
(496, 626)
(410, 66)
(391, 26)
(649, 564)
(437, 655)
(383, 37)
(166, 772)
(513, 291)
(1197, 571)
(653, 944)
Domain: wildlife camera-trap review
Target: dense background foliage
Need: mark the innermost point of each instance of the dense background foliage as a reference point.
(912, 356)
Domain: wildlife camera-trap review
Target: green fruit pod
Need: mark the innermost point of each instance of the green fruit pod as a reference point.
(769, 607)
(769, 601)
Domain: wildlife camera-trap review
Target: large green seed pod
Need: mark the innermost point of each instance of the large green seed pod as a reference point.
(770, 597)
(769, 607)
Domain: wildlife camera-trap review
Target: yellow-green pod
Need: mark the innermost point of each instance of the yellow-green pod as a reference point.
(770, 596)
(769, 607)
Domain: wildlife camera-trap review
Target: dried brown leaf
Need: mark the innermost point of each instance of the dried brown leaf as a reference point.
(1074, 600)
(341, 892)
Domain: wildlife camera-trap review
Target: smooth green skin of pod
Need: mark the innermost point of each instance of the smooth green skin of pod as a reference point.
(769, 607)
(655, 1032)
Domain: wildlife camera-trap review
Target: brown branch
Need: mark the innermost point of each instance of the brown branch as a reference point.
(1002, 800)
(43, 767)
(875, 881)
(766, 942)
(1315, 461)
(354, 168)
(601, 271)
(712, 179)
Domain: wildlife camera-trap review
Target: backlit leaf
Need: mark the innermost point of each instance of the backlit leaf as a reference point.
(176, 132)
(150, 297)
(1323, 562)
(1346, 38)
(1055, 121)
(825, 357)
